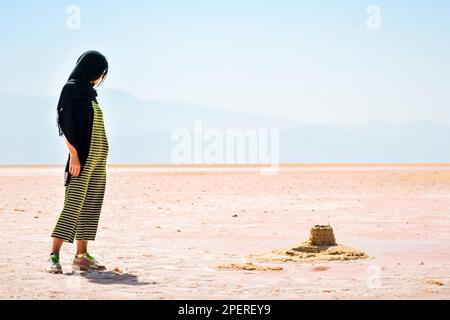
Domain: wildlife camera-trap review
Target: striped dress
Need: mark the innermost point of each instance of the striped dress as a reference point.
(84, 194)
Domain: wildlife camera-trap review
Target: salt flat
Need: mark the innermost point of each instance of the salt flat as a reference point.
(169, 228)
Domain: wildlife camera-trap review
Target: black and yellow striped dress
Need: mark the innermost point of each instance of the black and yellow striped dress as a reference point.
(84, 194)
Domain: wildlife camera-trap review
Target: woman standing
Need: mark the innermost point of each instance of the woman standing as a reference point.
(80, 120)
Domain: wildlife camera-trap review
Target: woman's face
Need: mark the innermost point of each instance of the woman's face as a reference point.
(96, 82)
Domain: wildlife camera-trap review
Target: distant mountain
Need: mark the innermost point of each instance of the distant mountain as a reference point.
(140, 132)
(373, 142)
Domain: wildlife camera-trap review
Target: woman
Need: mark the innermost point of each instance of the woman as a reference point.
(80, 120)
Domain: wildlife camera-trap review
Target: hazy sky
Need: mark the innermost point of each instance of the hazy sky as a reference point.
(314, 61)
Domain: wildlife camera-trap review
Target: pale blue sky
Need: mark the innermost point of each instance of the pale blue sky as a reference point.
(313, 61)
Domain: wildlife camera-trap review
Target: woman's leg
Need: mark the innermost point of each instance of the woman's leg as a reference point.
(57, 244)
(90, 212)
(53, 261)
(82, 246)
(89, 219)
(68, 220)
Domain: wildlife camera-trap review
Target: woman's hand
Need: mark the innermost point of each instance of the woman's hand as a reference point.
(74, 165)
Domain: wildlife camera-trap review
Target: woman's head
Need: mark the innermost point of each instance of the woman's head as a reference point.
(92, 66)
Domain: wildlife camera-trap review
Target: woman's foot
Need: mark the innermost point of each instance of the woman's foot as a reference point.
(95, 262)
(53, 264)
(87, 262)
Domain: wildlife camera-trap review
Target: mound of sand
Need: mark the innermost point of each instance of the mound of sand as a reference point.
(434, 282)
(248, 266)
(321, 246)
(307, 252)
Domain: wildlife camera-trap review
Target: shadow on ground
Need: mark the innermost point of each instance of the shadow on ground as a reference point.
(110, 277)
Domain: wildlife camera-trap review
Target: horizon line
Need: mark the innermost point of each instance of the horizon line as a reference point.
(286, 164)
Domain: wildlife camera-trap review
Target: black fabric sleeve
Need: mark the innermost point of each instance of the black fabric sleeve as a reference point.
(69, 119)
(75, 121)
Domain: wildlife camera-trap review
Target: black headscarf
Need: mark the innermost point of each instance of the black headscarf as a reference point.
(90, 66)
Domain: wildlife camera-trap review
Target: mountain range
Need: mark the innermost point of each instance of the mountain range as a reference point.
(139, 131)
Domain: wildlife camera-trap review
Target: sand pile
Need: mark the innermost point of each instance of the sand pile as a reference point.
(248, 266)
(321, 246)
(434, 282)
